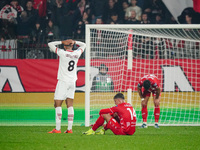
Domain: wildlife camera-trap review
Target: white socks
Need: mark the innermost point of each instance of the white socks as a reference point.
(70, 117)
(58, 117)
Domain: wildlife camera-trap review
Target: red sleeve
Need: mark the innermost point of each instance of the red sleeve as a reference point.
(105, 111)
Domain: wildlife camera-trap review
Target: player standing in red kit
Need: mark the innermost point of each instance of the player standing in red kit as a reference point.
(121, 119)
(151, 85)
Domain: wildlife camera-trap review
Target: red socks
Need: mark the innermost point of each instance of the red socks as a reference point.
(157, 113)
(144, 113)
(98, 123)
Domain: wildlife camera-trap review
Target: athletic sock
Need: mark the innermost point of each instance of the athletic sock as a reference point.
(58, 117)
(106, 127)
(156, 114)
(144, 113)
(70, 117)
(98, 123)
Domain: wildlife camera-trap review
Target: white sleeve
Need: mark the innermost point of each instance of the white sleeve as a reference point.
(52, 46)
(81, 45)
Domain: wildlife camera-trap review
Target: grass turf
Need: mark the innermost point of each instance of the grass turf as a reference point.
(36, 137)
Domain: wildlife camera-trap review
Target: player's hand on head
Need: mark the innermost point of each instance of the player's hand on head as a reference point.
(68, 42)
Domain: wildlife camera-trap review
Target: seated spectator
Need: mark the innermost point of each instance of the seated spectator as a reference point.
(134, 7)
(99, 21)
(114, 19)
(188, 19)
(37, 34)
(158, 19)
(145, 19)
(132, 19)
(102, 82)
(52, 31)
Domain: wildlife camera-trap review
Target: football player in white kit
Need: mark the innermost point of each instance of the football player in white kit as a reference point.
(67, 76)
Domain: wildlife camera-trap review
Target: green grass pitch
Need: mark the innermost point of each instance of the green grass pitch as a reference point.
(37, 138)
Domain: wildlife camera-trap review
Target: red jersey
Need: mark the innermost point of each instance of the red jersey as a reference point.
(126, 114)
(154, 82)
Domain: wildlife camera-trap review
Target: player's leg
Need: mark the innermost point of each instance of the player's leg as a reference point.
(99, 122)
(69, 104)
(113, 125)
(58, 114)
(144, 110)
(59, 96)
(156, 110)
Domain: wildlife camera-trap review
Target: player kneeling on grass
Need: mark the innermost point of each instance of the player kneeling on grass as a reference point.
(121, 119)
(67, 76)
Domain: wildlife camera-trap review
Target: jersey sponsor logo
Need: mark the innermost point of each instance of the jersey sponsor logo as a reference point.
(72, 56)
(10, 80)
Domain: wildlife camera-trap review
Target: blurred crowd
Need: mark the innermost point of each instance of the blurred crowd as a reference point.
(44, 20)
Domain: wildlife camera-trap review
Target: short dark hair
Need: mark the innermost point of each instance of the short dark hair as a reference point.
(146, 84)
(119, 95)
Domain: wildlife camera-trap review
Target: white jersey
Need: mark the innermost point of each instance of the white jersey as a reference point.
(68, 60)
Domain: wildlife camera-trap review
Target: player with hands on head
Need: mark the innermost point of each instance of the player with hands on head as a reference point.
(67, 76)
(121, 119)
(150, 84)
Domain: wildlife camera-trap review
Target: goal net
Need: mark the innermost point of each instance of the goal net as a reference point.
(127, 53)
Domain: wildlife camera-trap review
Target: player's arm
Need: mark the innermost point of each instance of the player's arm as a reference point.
(52, 46)
(81, 45)
(139, 89)
(105, 111)
(157, 92)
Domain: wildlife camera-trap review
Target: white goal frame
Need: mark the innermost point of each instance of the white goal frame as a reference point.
(87, 56)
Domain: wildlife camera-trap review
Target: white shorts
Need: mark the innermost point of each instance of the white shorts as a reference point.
(64, 90)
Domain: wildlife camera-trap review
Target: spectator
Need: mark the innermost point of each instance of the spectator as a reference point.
(10, 12)
(7, 29)
(158, 19)
(37, 34)
(32, 13)
(80, 27)
(188, 19)
(52, 31)
(78, 14)
(114, 19)
(134, 7)
(102, 81)
(132, 19)
(124, 6)
(97, 9)
(145, 19)
(23, 27)
(99, 21)
(111, 8)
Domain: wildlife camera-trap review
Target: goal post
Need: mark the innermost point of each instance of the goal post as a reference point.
(171, 52)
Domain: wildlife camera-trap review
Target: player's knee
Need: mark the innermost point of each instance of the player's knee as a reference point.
(144, 104)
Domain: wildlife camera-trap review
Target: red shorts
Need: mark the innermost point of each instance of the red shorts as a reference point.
(115, 127)
(147, 93)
